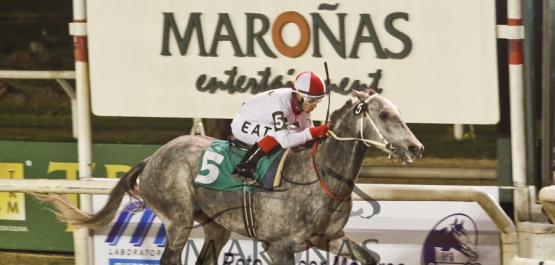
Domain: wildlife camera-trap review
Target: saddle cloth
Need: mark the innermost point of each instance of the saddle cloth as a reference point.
(218, 161)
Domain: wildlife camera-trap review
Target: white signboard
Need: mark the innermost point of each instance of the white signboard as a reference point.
(408, 233)
(434, 59)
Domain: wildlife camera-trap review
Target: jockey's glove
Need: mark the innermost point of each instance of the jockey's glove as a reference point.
(319, 131)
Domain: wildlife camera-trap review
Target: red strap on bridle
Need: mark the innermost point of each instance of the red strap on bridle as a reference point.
(322, 183)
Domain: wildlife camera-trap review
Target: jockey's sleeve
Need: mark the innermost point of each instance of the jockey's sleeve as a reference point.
(288, 138)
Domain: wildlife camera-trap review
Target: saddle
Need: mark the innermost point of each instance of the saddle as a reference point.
(273, 175)
(219, 160)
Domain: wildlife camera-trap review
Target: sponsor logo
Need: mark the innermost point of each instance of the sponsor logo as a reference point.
(346, 44)
(453, 240)
(141, 229)
(12, 204)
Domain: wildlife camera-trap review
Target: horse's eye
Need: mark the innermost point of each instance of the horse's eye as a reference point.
(383, 115)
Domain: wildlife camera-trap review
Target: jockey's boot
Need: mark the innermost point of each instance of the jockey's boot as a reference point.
(245, 170)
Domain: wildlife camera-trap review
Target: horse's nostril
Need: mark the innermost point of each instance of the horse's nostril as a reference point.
(416, 149)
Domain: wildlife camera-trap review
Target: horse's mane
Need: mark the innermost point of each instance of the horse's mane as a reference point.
(337, 114)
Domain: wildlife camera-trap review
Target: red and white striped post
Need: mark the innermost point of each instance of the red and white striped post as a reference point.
(83, 242)
(515, 37)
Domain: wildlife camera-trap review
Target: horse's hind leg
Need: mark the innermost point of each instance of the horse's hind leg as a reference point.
(215, 238)
(177, 234)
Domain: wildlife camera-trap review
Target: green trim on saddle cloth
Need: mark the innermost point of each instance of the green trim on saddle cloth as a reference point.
(219, 160)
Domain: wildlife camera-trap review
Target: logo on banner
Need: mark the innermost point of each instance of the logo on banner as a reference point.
(140, 231)
(126, 239)
(12, 204)
(453, 240)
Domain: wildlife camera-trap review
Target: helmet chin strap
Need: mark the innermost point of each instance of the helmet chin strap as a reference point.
(297, 103)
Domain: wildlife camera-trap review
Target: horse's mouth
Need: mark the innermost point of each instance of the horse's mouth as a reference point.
(399, 154)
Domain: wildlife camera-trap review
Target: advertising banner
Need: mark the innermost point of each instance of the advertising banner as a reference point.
(408, 233)
(26, 224)
(435, 59)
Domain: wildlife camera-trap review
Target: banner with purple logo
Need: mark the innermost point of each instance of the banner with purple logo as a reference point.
(408, 233)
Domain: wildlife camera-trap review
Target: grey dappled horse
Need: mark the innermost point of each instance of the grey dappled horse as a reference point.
(291, 220)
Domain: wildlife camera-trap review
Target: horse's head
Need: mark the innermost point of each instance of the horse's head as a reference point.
(379, 122)
(464, 244)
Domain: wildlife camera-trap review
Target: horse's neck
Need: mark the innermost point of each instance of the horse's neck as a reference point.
(344, 157)
(339, 163)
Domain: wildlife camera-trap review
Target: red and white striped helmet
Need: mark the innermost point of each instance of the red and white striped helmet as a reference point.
(310, 85)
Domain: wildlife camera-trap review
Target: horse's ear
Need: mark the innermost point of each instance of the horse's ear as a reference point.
(360, 95)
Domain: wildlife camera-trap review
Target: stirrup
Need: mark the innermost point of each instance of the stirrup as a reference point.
(248, 181)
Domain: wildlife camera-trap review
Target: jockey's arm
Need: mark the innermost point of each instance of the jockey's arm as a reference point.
(295, 129)
(286, 134)
(289, 138)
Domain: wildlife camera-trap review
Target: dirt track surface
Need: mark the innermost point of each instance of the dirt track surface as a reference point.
(433, 162)
(27, 258)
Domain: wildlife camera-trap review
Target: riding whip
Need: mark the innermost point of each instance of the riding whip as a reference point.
(328, 90)
(321, 141)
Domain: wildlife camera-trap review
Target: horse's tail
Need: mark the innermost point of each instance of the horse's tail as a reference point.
(66, 212)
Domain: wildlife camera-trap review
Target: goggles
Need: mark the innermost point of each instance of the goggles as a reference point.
(312, 101)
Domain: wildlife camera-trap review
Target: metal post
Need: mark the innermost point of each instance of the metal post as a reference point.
(458, 131)
(198, 127)
(532, 85)
(548, 83)
(83, 241)
(516, 90)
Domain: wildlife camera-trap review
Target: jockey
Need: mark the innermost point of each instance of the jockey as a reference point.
(266, 121)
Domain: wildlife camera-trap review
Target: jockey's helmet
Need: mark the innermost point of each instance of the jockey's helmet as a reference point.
(310, 86)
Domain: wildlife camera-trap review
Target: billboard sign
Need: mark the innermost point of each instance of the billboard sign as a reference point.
(412, 233)
(436, 60)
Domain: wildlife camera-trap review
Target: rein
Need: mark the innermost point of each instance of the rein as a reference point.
(322, 183)
(369, 143)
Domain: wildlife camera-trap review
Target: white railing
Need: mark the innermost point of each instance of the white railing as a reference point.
(37, 74)
(379, 192)
(547, 199)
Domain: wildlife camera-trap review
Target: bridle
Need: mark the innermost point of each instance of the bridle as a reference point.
(384, 143)
(361, 109)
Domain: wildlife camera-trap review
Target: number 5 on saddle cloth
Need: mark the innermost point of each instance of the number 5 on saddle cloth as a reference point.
(218, 161)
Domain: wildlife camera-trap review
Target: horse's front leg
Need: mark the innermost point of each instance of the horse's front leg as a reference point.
(283, 252)
(344, 246)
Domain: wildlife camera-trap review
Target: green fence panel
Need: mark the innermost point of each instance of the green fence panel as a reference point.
(26, 224)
